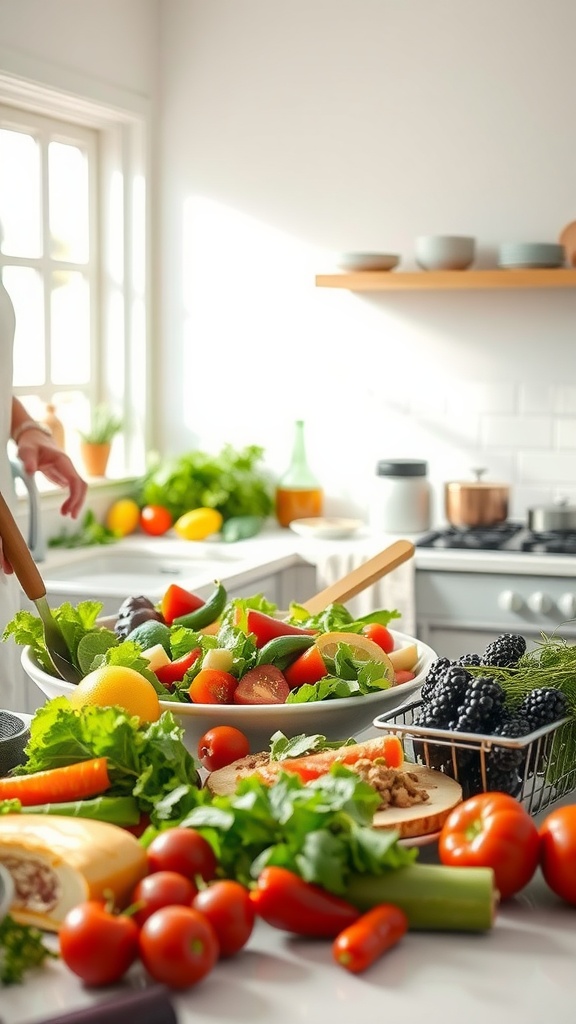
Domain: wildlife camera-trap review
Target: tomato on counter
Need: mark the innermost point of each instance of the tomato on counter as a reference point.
(558, 852)
(155, 520)
(96, 944)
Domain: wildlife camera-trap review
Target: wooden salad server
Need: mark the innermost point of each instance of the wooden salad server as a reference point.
(26, 571)
(363, 576)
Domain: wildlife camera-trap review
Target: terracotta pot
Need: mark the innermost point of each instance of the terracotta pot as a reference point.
(476, 503)
(95, 457)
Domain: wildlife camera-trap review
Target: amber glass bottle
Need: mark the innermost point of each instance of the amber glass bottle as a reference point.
(298, 492)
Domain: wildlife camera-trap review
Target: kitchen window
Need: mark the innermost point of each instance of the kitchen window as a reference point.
(73, 257)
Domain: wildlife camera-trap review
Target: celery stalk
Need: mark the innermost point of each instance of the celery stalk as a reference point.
(117, 810)
(434, 897)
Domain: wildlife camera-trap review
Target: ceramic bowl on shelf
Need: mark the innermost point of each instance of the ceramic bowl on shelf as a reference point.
(531, 254)
(326, 527)
(444, 252)
(335, 719)
(352, 261)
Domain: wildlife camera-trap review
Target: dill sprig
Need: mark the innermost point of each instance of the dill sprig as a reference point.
(552, 662)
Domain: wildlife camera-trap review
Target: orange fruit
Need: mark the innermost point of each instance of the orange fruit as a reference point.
(363, 649)
(120, 687)
(123, 517)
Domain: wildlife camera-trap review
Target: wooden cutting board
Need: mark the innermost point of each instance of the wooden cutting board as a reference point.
(419, 820)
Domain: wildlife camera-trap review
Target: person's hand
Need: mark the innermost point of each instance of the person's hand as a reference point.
(38, 452)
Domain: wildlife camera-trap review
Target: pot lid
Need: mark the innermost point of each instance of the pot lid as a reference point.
(401, 467)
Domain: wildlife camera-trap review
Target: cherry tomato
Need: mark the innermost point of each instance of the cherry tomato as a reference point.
(380, 635)
(178, 601)
(182, 850)
(264, 684)
(96, 944)
(213, 686)
(228, 907)
(308, 668)
(155, 520)
(161, 889)
(492, 830)
(363, 942)
(558, 852)
(178, 946)
(221, 746)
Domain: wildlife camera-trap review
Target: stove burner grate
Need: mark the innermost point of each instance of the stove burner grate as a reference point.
(503, 537)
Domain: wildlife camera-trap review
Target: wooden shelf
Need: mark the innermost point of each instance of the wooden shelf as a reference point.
(448, 280)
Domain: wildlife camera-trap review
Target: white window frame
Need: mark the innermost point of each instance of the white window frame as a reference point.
(123, 314)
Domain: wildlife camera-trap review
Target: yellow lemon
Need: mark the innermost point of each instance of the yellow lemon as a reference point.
(199, 523)
(363, 649)
(123, 517)
(118, 686)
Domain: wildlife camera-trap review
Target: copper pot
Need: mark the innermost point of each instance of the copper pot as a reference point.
(476, 503)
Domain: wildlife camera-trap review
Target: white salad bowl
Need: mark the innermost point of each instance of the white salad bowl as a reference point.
(335, 719)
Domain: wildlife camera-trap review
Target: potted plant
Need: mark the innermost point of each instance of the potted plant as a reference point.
(96, 441)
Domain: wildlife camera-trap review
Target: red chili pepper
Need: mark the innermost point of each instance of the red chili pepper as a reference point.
(175, 671)
(286, 901)
(362, 943)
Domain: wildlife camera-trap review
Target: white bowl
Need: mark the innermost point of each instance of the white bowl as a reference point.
(335, 719)
(352, 261)
(444, 252)
(326, 527)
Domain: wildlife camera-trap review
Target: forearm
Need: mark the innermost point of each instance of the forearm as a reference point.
(22, 421)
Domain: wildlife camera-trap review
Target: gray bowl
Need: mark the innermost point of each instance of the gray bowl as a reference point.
(14, 735)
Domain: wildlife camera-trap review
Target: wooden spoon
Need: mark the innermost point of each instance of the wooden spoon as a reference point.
(361, 577)
(26, 570)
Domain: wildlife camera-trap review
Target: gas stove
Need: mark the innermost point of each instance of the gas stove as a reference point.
(506, 537)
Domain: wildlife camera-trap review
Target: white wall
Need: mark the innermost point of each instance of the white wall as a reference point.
(293, 128)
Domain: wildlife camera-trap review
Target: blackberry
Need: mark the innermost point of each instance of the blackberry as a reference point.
(505, 651)
(469, 659)
(497, 780)
(437, 668)
(508, 759)
(449, 692)
(482, 705)
(434, 755)
(542, 706)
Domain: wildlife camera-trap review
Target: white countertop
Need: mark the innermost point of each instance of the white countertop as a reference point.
(521, 972)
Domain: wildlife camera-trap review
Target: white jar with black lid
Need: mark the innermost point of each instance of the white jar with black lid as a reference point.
(401, 500)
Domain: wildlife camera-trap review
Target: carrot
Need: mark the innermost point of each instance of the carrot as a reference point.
(312, 766)
(56, 785)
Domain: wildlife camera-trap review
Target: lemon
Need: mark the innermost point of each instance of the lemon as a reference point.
(363, 649)
(199, 523)
(123, 517)
(118, 686)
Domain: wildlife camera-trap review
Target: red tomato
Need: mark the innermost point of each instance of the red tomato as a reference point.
(228, 907)
(161, 889)
(155, 520)
(492, 830)
(213, 686)
(174, 671)
(380, 635)
(367, 939)
(266, 627)
(558, 852)
(96, 944)
(182, 850)
(402, 675)
(308, 668)
(178, 946)
(264, 684)
(177, 601)
(221, 746)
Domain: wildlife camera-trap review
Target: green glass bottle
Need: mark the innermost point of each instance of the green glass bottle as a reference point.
(298, 492)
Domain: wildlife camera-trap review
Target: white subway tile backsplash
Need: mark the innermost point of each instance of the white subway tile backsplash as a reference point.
(483, 397)
(565, 433)
(565, 399)
(517, 431)
(553, 468)
(536, 398)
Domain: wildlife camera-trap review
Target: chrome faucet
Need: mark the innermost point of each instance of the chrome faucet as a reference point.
(35, 540)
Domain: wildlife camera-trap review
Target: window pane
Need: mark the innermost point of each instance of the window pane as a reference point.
(19, 194)
(68, 202)
(70, 310)
(25, 288)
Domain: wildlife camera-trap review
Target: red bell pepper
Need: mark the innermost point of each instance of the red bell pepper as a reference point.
(266, 627)
(308, 668)
(177, 601)
(286, 901)
(175, 671)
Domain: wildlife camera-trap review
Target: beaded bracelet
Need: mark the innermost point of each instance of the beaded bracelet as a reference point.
(30, 425)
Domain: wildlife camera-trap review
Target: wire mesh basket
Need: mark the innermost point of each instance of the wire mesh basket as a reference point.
(537, 769)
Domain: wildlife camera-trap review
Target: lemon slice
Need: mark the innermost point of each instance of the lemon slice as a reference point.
(363, 649)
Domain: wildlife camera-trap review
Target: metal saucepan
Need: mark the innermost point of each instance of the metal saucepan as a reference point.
(561, 516)
(476, 502)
